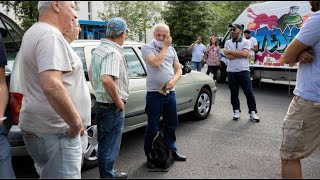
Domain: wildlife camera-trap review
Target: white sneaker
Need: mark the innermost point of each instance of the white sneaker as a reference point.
(236, 114)
(254, 117)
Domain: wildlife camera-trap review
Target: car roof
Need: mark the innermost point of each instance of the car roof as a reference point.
(81, 42)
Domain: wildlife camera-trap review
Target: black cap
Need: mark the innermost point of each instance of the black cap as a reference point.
(246, 31)
(235, 26)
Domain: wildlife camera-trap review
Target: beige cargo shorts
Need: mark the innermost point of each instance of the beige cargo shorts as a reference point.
(301, 129)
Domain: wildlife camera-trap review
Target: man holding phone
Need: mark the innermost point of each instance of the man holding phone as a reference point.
(163, 68)
(198, 51)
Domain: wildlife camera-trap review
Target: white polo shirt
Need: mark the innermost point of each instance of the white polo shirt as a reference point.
(240, 64)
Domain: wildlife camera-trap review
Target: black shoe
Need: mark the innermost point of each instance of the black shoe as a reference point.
(150, 164)
(178, 157)
(121, 175)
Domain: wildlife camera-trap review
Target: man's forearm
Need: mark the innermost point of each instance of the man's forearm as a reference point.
(110, 86)
(230, 57)
(61, 102)
(4, 97)
(239, 54)
(177, 76)
(157, 60)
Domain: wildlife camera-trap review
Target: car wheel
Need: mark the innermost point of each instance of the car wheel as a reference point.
(222, 73)
(90, 154)
(202, 107)
(188, 63)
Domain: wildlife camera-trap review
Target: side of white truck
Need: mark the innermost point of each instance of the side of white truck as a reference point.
(274, 24)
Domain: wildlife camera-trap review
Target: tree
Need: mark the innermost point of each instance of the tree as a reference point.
(25, 11)
(226, 12)
(187, 19)
(139, 15)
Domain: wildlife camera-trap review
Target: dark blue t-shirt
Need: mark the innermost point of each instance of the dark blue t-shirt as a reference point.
(3, 57)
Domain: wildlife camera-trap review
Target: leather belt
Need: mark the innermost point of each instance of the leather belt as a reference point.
(107, 105)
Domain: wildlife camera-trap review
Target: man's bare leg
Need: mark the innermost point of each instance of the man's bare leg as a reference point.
(291, 169)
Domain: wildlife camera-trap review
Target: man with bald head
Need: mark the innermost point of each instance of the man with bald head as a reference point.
(163, 69)
(54, 103)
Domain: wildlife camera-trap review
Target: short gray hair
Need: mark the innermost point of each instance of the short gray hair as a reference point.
(43, 6)
(161, 25)
(114, 34)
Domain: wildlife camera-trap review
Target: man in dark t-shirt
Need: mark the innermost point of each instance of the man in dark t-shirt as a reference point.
(6, 170)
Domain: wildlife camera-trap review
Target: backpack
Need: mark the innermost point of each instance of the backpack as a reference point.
(162, 156)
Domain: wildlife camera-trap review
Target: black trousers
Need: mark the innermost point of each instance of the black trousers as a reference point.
(213, 70)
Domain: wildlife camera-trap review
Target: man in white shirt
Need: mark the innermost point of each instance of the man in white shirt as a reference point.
(254, 43)
(237, 51)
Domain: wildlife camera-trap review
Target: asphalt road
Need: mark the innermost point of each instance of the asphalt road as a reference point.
(216, 147)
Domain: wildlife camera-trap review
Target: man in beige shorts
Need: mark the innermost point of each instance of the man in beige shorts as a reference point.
(301, 126)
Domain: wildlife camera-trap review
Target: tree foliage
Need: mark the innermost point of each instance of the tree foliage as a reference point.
(187, 19)
(25, 11)
(139, 15)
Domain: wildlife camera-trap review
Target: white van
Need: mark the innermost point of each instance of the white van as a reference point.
(274, 24)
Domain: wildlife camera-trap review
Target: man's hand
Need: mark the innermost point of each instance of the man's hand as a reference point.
(227, 51)
(305, 57)
(170, 85)
(120, 106)
(75, 131)
(167, 41)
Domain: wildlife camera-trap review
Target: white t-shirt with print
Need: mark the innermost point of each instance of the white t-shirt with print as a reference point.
(253, 42)
(44, 48)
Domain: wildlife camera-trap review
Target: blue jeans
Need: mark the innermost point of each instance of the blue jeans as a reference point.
(157, 105)
(243, 79)
(55, 156)
(196, 66)
(110, 125)
(6, 170)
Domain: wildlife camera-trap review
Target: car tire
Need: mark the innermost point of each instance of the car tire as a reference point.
(90, 154)
(202, 107)
(222, 73)
(90, 158)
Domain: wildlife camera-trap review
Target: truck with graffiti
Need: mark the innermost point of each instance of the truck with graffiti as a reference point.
(274, 24)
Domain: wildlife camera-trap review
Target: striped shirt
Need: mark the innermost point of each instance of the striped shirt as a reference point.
(108, 59)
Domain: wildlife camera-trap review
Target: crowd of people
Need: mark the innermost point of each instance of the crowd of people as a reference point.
(56, 100)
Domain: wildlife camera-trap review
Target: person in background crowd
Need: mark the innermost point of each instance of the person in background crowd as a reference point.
(214, 56)
(198, 51)
(254, 45)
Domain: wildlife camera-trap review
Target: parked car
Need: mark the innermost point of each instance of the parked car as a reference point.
(195, 93)
(184, 55)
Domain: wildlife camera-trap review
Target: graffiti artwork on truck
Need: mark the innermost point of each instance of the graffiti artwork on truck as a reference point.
(274, 34)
